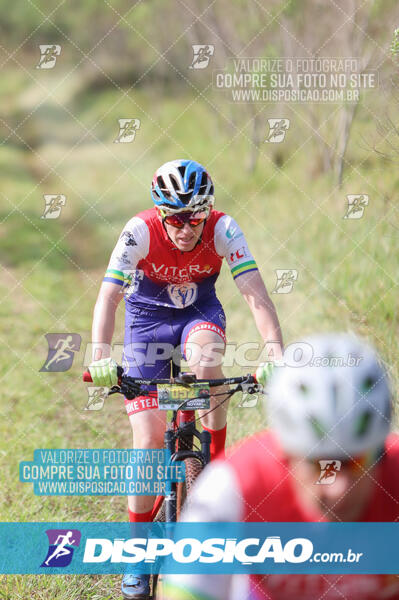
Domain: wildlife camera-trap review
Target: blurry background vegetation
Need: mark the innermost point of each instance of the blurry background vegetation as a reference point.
(131, 60)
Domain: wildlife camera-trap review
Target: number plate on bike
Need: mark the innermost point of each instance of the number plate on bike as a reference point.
(172, 396)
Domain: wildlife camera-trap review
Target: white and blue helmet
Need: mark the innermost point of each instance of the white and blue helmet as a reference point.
(181, 185)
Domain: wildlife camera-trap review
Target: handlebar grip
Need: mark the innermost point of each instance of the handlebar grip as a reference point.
(87, 377)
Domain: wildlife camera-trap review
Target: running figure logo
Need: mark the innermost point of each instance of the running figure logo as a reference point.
(277, 130)
(48, 56)
(127, 130)
(285, 281)
(202, 55)
(328, 471)
(356, 205)
(96, 398)
(53, 205)
(61, 542)
(61, 351)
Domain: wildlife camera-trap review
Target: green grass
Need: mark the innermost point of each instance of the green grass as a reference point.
(52, 270)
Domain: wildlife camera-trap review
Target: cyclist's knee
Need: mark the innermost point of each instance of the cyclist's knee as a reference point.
(148, 429)
(147, 440)
(204, 351)
(203, 371)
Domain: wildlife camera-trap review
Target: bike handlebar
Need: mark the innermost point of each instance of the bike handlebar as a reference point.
(175, 380)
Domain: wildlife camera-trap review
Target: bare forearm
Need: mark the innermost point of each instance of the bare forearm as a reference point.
(103, 325)
(268, 326)
(254, 291)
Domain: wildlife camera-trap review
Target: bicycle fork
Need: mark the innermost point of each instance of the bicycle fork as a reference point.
(179, 442)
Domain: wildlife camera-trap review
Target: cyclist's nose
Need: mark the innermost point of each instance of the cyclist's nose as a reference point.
(186, 228)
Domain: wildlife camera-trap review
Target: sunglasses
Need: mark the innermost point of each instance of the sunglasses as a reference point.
(180, 219)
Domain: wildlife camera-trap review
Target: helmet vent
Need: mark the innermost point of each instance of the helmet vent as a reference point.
(334, 390)
(303, 388)
(368, 384)
(185, 198)
(204, 183)
(161, 183)
(191, 181)
(174, 182)
(163, 188)
(363, 423)
(317, 427)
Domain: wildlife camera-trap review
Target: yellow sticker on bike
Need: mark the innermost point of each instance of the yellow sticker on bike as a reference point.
(173, 396)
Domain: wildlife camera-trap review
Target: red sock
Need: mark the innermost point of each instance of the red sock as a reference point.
(140, 517)
(218, 441)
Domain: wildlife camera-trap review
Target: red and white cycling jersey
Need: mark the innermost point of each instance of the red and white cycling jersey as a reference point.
(255, 484)
(159, 274)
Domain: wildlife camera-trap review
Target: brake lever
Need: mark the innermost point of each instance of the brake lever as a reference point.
(185, 379)
(250, 394)
(115, 389)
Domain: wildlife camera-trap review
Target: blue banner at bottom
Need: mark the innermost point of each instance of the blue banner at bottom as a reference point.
(262, 548)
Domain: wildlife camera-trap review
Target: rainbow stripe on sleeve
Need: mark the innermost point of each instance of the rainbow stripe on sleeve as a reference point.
(114, 276)
(246, 267)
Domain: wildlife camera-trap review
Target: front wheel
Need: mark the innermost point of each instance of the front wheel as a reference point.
(193, 468)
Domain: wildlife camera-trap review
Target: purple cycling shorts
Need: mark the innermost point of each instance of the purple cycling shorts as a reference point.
(155, 338)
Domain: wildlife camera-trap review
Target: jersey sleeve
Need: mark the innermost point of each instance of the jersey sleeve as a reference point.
(230, 242)
(209, 507)
(132, 246)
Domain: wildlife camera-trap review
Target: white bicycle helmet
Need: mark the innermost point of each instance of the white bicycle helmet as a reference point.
(331, 411)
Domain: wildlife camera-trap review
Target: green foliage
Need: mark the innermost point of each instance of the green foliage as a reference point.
(395, 44)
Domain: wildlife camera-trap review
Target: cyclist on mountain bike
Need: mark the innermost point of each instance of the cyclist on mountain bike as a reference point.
(167, 261)
(336, 413)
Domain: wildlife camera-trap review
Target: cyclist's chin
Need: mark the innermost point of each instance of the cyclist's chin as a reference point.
(186, 245)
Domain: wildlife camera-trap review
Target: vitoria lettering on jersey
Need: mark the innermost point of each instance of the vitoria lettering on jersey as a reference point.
(192, 550)
(165, 272)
